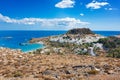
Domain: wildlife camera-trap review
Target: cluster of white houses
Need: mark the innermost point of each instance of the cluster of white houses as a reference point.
(80, 40)
(76, 40)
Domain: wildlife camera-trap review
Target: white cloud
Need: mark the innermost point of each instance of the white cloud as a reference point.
(65, 4)
(96, 5)
(66, 23)
(110, 9)
(81, 14)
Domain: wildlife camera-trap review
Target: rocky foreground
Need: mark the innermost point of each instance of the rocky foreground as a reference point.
(15, 65)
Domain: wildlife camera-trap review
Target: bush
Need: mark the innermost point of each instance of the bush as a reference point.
(93, 72)
(17, 74)
(115, 53)
(110, 42)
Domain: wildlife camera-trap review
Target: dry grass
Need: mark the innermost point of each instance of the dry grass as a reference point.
(36, 64)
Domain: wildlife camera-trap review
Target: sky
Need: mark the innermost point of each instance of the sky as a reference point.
(59, 14)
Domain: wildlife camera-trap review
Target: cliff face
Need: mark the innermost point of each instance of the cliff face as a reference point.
(80, 31)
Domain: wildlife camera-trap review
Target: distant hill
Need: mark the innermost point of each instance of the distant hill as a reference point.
(80, 31)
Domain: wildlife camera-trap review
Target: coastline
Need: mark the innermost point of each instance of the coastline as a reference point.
(34, 49)
(11, 33)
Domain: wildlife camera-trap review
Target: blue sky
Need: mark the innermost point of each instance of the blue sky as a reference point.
(59, 14)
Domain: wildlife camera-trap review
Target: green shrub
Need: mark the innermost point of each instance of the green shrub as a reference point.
(115, 53)
(17, 74)
(93, 72)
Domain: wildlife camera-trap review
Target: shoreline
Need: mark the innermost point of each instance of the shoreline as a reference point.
(43, 46)
(34, 49)
(43, 42)
(30, 50)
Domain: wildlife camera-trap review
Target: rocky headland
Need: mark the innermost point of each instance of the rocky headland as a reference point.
(75, 41)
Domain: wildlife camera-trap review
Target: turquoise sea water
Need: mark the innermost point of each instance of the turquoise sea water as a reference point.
(13, 39)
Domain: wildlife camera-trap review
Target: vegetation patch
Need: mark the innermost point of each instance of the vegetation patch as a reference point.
(112, 46)
(17, 74)
(93, 72)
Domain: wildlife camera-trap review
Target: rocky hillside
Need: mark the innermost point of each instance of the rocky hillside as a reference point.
(15, 65)
(80, 31)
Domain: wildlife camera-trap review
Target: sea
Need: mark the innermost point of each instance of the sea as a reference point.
(20, 39)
